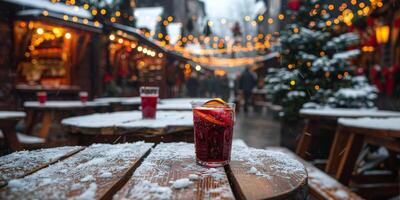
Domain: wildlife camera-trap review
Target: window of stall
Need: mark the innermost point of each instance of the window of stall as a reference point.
(47, 54)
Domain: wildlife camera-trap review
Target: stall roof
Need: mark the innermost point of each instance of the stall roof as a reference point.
(58, 19)
(53, 7)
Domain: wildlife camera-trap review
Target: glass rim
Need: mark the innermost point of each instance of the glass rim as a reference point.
(149, 87)
(196, 104)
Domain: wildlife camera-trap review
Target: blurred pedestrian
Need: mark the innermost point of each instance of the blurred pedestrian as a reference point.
(192, 85)
(247, 82)
(224, 81)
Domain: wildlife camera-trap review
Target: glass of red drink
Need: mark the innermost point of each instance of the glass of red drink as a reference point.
(83, 96)
(42, 97)
(213, 131)
(149, 97)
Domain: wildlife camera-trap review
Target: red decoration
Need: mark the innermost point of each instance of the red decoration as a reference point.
(397, 23)
(294, 5)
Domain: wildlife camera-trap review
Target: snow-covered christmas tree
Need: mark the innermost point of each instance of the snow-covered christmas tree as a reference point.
(316, 65)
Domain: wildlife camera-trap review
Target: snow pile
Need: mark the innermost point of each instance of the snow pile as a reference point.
(19, 163)
(85, 167)
(181, 183)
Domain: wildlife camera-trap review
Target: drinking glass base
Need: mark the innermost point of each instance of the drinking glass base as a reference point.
(212, 164)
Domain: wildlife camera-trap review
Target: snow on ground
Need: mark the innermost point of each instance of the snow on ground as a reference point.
(27, 139)
(392, 124)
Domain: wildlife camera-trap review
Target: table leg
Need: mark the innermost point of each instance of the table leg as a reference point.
(349, 159)
(305, 139)
(31, 119)
(8, 129)
(46, 123)
(337, 150)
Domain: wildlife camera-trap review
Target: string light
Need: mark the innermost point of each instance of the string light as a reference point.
(68, 35)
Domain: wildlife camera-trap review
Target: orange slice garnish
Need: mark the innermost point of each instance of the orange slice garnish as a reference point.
(208, 117)
(215, 102)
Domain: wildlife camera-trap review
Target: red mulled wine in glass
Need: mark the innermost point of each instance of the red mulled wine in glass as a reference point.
(213, 131)
(149, 97)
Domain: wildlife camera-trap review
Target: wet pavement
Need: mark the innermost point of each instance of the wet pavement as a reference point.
(258, 130)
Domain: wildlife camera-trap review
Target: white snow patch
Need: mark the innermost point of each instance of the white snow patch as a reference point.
(193, 177)
(89, 194)
(182, 183)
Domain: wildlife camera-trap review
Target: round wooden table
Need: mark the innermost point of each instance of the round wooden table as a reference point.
(174, 104)
(121, 103)
(129, 125)
(147, 171)
(355, 132)
(320, 127)
(50, 111)
(8, 121)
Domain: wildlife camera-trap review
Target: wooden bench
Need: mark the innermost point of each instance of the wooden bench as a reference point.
(321, 185)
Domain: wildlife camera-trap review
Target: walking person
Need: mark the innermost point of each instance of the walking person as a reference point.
(247, 82)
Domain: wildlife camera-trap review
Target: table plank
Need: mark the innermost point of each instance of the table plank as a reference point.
(169, 162)
(22, 163)
(94, 173)
(264, 174)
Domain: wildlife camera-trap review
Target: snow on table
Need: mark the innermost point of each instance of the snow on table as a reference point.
(347, 112)
(21, 163)
(62, 104)
(390, 124)
(170, 172)
(269, 170)
(11, 114)
(89, 174)
(130, 120)
(122, 100)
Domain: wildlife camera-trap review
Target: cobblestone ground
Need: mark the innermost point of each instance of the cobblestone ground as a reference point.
(258, 130)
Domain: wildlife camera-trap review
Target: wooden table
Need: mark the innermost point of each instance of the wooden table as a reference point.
(175, 104)
(320, 127)
(354, 133)
(129, 125)
(121, 103)
(8, 121)
(136, 171)
(52, 108)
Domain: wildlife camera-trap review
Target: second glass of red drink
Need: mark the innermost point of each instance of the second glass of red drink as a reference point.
(213, 131)
(83, 96)
(42, 97)
(149, 97)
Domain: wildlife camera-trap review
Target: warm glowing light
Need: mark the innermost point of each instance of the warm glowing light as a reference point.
(94, 12)
(281, 17)
(65, 17)
(117, 13)
(85, 6)
(260, 18)
(170, 18)
(316, 87)
(382, 34)
(103, 11)
(40, 31)
(45, 13)
(292, 82)
(74, 19)
(270, 21)
(112, 37)
(247, 18)
(198, 67)
(68, 35)
(120, 40)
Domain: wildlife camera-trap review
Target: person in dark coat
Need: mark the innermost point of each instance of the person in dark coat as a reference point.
(192, 85)
(247, 82)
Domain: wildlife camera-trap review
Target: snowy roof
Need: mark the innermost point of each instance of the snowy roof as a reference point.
(392, 124)
(147, 17)
(53, 7)
(174, 30)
